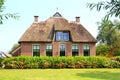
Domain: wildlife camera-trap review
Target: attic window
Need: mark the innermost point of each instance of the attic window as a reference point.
(62, 36)
(57, 14)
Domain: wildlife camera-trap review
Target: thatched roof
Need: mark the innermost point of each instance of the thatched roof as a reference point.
(44, 31)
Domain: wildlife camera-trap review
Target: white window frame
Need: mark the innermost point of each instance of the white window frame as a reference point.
(65, 48)
(78, 48)
(33, 48)
(86, 48)
(46, 48)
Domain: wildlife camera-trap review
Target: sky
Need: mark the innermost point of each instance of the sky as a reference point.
(11, 30)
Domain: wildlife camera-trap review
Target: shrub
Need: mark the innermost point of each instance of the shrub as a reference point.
(60, 62)
(102, 49)
(1, 62)
(117, 58)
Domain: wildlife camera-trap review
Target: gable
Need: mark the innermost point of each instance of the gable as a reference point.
(57, 14)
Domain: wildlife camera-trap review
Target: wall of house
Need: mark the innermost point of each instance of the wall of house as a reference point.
(26, 48)
(92, 49)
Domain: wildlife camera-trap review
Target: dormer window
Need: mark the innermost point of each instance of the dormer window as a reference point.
(62, 36)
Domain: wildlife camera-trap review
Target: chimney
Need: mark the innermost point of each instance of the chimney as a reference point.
(36, 19)
(77, 19)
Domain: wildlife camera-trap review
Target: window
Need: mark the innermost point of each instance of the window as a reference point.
(62, 36)
(49, 50)
(86, 50)
(62, 50)
(75, 50)
(36, 50)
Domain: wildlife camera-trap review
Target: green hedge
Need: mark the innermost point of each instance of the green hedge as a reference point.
(60, 62)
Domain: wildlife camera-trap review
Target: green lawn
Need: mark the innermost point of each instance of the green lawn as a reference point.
(59, 74)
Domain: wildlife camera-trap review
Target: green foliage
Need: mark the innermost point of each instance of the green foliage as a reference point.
(59, 62)
(102, 49)
(3, 15)
(109, 34)
(1, 62)
(117, 59)
(113, 7)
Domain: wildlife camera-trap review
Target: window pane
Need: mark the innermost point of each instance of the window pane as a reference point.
(36, 50)
(75, 46)
(49, 46)
(62, 36)
(34, 47)
(62, 50)
(86, 47)
(37, 47)
(49, 50)
(59, 33)
(75, 50)
(62, 47)
(66, 36)
(86, 50)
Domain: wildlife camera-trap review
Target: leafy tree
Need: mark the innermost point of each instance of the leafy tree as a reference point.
(109, 34)
(113, 7)
(3, 15)
(106, 30)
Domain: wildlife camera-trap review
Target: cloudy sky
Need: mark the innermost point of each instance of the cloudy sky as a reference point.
(12, 30)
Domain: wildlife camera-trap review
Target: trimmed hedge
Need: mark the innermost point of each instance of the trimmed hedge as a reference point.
(60, 62)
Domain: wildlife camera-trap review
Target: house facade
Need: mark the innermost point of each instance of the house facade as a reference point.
(56, 36)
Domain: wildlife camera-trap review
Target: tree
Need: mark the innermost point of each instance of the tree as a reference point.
(109, 34)
(113, 7)
(106, 30)
(3, 15)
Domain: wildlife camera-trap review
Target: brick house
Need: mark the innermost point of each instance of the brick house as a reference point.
(56, 37)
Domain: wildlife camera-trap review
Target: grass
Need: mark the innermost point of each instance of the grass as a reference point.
(59, 74)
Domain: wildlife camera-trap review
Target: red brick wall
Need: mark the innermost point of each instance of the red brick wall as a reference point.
(92, 49)
(26, 48)
(69, 49)
(81, 49)
(55, 48)
(42, 49)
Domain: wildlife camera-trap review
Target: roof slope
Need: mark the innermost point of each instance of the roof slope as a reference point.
(44, 31)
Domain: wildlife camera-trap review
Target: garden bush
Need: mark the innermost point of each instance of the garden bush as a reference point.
(117, 58)
(60, 62)
(1, 62)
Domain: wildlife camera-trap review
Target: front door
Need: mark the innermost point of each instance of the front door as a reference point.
(62, 49)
